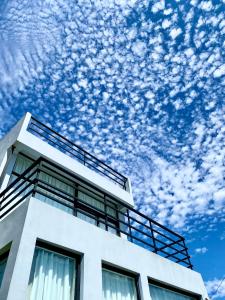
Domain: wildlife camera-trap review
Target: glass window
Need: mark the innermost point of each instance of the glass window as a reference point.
(61, 189)
(118, 286)
(95, 202)
(53, 276)
(3, 262)
(21, 164)
(55, 188)
(161, 293)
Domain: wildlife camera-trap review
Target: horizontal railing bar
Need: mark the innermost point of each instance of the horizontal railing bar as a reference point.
(168, 245)
(171, 254)
(79, 180)
(78, 188)
(59, 146)
(134, 228)
(101, 213)
(72, 185)
(106, 167)
(22, 175)
(156, 231)
(120, 183)
(120, 230)
(139, 232)
(179, 251)
(11, 200)
(62, 142)
(167, 237)
(54, 199)
(183, 260)
(155, 222)
(53, 192)
(110, 217)
(98, 219)
(95, 158)
(18, 186)
(14, 205)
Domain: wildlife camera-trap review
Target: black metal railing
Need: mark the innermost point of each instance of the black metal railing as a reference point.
(50, 183)
(66, 146)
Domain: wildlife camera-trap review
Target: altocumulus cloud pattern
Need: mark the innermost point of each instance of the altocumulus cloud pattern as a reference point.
(138, 83)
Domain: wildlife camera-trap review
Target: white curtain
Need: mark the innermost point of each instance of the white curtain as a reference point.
(91, 201)
(2, 269)
(98, 205)
(52, 276)
(112, 212)
(57, 183)
(159, 293)
(22, 163)
(117, 286)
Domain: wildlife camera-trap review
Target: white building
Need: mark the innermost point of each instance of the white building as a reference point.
(68, 229)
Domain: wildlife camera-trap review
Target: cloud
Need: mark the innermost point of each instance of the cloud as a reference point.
(216, 288)
(219, 72)
(175, 32)
(202, 250)
(146, 96)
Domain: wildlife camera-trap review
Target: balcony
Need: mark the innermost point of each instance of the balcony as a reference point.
(52, 184)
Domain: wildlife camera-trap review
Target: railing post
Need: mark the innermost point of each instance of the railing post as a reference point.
(75, 199)
(106, 215)
(36, 180)
(129, 226)
(84, 159)
(187, 255)
(124, 184)
(153, 238)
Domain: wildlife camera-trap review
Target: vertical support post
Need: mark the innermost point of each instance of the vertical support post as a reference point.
(124, 183)
(117, 220)
(84, 157)
(153, 238)
(187, 255)
(106, 215)
(36, 180)
(129, 226)
(75, 199)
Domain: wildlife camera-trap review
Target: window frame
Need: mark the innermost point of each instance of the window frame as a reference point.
(172, 288)
(121, 271)
(64, 252)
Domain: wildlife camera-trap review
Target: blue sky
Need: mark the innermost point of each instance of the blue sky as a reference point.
(141, 85)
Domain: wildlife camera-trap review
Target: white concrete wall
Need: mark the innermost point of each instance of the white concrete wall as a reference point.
(55, 226)
(11, 229)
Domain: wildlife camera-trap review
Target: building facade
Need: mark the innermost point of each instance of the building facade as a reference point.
(69, 230)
